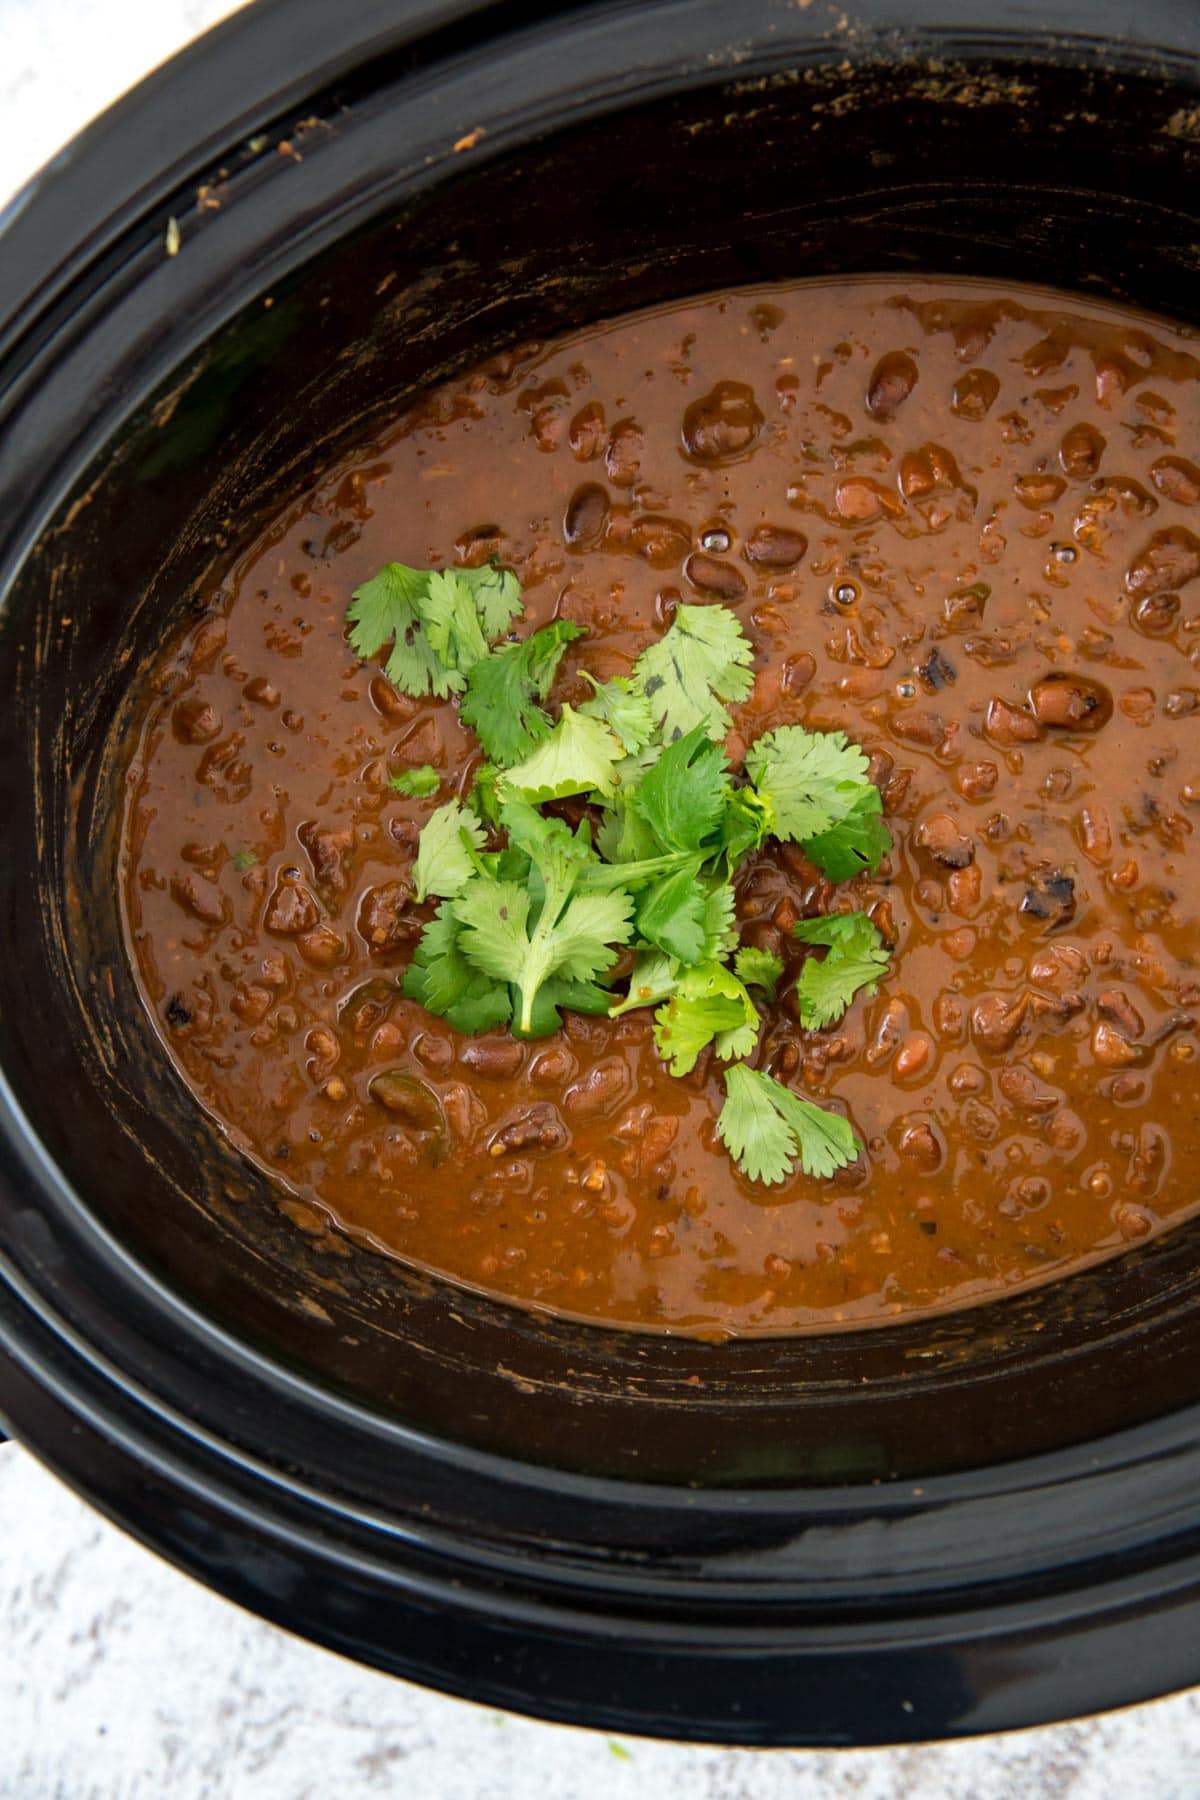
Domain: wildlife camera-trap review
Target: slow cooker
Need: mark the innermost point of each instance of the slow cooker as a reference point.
(930, 1528)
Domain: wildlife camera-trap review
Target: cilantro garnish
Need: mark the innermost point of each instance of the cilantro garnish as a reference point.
(417, 784)
(683, 796)
(709, 1005)
(534, 910)
(623, 709)
(500, 704)
(577, 757)
(689, 674)
(808, 779)
(855, 959)
(760, 969)
(525, 933)
(444, 863)
(859, 841)
(765, 1127)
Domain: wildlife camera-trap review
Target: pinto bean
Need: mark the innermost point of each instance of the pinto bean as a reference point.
(921, 1145)
(974, 394)
(553, 1067)
(1176, 479)
(943, 840)
(291, 908)
(1081, 451)
(1007, 726)
(586, 516)
(493, 1058)
(723, 424)
(775, 547)
(1070, 702)
(997, 1021)
(1120, 1012)
(892, 381)
(1166, 562)
(712, 576)
(1022, 1089)
(601, 1089)
(623, 453)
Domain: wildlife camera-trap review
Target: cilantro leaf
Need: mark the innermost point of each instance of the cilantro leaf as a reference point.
(417, 784)
(855, 960)
(759, 968)
(578, 757)
(709, 1002)
(389, 607)
(494, 916)
(765, 1127)
(500, 704)
(438, 622)
(497, 597)
(697, 665)
(654, 977)
(441, 980)
(671, 914)
(808, 780)
(858, 842)
(529, 933)
(683, 795)
(624, 835)
(444, 862)
(746, 824)
(576, 996)
(623, 709)
(452, 624)
(720, 932)
(585, 929)
(482, 798)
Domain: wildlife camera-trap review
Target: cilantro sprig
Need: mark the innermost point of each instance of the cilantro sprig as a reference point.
(535, 912)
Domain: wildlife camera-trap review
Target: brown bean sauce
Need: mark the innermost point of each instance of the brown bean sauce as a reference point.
(959, 523)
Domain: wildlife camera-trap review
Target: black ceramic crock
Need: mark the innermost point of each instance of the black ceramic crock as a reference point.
(926, 1529)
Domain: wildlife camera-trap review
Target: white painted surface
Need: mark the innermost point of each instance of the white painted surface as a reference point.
(122, 1680)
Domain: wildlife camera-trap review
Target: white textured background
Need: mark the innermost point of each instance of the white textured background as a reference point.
(121, 1680)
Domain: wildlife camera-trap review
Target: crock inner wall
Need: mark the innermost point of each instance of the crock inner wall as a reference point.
(1075, 175)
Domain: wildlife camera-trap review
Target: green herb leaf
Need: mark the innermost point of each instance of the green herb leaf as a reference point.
(497, 596)
(483, 799)
(452, 624)
(699, 664)
(578, 757)
(709, 1003)
(759, 968)
(654, 977)
(720, 931)
(553, 996)
(528, 934)
(441, 980)
(388, 609)
(808, 780)
(444, 861)
(683, 795)
(671, 914)
(625, 711)
(765, 1127)
(858, 842)
(855, 960)
(624, 835)
(245, 859)
(746, 824)
(417, 784)
(500, 704)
